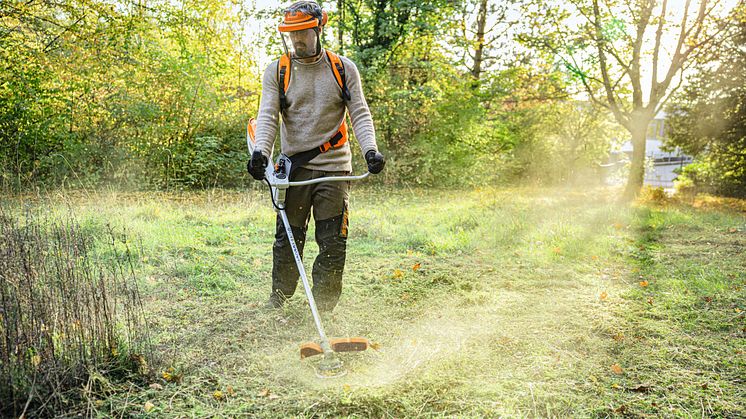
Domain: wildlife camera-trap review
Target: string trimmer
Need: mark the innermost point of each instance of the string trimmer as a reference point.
(278, 180)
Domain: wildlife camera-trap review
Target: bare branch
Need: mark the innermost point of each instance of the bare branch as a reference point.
(656, 49)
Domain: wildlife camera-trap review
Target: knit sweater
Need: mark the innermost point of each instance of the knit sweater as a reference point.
(315, 111)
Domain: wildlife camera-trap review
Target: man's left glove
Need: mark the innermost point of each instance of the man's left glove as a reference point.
(257, 165)
(375, 161)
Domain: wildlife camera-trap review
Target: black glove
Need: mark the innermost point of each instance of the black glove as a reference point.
(257, 165)
(375, 161)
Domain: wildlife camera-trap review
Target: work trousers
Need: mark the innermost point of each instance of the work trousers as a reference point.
(328, 201)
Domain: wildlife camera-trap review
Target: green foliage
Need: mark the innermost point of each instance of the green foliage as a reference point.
(122, 94)
(708, 119)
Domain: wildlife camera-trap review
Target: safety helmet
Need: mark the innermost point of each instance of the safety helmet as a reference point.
(301, 28)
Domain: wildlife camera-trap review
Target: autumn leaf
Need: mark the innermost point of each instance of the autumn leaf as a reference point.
(229, 390)
(604, 295)
(398, 274)
(618, 337)
(650, 300)
(416, 266)
(557, 250)
(218, 395)
(644, 284)
(171, 376)
(616, 369)
(594, 257)
(148, 406)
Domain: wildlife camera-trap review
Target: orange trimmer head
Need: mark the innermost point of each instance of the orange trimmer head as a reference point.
(338, 345)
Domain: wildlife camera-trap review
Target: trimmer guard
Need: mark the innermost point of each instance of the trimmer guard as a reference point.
(357, 344)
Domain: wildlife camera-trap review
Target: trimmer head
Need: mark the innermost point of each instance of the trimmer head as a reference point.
(330, 366)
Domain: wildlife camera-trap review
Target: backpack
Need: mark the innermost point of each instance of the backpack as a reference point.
(338, 70)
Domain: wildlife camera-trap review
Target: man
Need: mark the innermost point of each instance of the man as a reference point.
(312, 89)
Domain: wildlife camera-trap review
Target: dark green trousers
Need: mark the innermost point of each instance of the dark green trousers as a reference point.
(328, 201)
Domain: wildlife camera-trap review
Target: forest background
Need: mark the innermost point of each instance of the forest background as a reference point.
(156, 94)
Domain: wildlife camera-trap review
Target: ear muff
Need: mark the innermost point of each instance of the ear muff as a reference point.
(324, 18)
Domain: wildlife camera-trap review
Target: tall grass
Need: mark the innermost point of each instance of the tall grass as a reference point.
(70, 310)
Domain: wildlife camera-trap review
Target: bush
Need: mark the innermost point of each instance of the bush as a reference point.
(65, 315)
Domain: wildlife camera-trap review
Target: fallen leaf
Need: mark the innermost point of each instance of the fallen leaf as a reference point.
(650, 300)
(616, 369)
(409, 252)
(618, 337)
(594, 257)
(346, 388)
(171, 376)
(604, 295)
(264, 393)
(557, 250)
(148, 406)
(156, 386)
(618, 226)
(36, 360)
(416, 266)
(732, 230)
(398, 274)
(218, 395)
(375, 345)
(642, 388)
(707, 299)
(644, 284)
(621, 409)
(738, 310)
(229, 390)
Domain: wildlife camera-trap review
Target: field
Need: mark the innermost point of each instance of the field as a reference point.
(483, 302)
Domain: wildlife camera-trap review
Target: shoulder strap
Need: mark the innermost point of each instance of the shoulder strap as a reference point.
(338, 69)
(283, 79)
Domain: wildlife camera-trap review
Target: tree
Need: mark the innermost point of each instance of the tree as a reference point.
(609, 51)
(476, 40)
(708, 118)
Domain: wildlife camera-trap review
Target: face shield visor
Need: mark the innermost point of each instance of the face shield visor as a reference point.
(304, 43)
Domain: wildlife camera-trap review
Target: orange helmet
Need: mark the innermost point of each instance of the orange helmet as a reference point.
(303, 15)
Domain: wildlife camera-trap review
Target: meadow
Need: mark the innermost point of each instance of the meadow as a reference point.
(517, 302)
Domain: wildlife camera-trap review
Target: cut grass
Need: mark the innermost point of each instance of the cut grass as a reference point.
(523, 302)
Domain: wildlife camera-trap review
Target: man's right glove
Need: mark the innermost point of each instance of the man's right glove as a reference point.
(375, 161)
(257, 165)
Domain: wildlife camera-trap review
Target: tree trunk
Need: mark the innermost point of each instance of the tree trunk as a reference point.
(340, 25)
(476, 71)
(637, 170)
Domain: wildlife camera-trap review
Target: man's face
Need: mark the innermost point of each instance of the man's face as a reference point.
(304, 42)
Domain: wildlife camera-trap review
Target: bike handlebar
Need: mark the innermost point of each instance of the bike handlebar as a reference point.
(322, 179)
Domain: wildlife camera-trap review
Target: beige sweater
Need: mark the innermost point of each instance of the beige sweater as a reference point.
(314, 113)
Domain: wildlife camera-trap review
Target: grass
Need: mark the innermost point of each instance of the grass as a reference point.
(525, 303)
